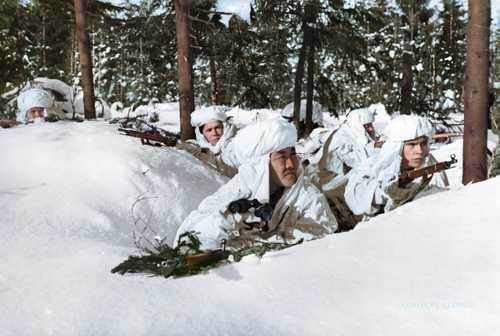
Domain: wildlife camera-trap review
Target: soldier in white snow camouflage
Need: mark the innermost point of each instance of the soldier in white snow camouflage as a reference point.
(269, 175)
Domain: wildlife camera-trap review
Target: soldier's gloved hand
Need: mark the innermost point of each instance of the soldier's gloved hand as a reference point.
(401, 195)
(239, 243)
(257, 226)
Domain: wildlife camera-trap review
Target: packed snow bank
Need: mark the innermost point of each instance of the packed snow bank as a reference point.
(430, 267)
(67, 99)
(442, 153)
(241, 117)
(317, 111)
(86, 179)
(164, 115)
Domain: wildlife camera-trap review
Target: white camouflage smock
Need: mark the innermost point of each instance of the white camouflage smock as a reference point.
(301, 212)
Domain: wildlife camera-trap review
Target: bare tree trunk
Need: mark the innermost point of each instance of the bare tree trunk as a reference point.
(186, 95)
(406, 84)
(407, 80)
(122, 66)
(85, 60)
(297, 89)
(44, 43)
(310, 83)
(213, 76)
(73, 53)
(476, 92)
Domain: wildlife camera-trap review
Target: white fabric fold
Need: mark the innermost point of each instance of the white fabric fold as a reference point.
(301, 206)
(252, 147)
(349, 145)
(217, 148)
(32, 98)
(368, 182)
(205, 115)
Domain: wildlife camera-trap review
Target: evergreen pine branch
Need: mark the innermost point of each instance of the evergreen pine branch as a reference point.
(166, 261)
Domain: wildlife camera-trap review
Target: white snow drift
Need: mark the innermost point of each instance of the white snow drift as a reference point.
(69, 197)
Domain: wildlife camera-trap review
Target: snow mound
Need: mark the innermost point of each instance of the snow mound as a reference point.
(102, 108)
(65, 97)
(164, 115)
(317, 111)
(430, 267)
(379, 112)
(241, 117)
(86, 179)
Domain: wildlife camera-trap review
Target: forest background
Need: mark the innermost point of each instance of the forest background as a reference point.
(364, 52)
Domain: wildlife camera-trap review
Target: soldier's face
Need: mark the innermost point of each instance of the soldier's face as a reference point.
(370, 129)
(283, 167)
(414, 152)
(35, 112)
(213, 131)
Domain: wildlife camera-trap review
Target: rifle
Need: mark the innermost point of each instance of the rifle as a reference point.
(199, 259)
(157, 135)
(437, 136)
(187, 258)
(410, 175)
(447, 135)
(128, 122)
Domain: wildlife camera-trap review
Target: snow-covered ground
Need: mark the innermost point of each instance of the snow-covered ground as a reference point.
(73, 194)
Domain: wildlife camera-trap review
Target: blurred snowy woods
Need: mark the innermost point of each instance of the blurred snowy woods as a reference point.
(80, 194)
(358, 52)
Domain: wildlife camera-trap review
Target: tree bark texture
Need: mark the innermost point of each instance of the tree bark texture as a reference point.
(185, 85)
(213, 76)
(476, 105)
(85, 60)
(406, 81)
(68, 54)
(297, 88)
(310, 83)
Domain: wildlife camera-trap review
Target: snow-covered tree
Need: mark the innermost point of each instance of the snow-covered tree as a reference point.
(449, 58)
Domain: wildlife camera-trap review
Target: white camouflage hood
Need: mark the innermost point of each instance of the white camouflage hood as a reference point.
(207, 114)
(384, 168)
(397, 131)
(32, 98)
(253, 146)
(355, 120)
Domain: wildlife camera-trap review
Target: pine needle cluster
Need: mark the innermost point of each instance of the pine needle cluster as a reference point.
(187, 258)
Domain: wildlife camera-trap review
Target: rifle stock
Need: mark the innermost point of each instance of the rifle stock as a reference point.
(440, 166)
(205, 257)
(169, 139)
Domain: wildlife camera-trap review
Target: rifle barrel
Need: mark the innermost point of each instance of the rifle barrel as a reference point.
(413, 174)
(447, 135)
(437, 167)
(146, 136)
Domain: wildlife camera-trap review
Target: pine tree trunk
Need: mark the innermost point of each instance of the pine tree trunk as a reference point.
(186, 95)
(310, 83)
(213, 77)
(85, 60)
(122, 66)
(406, 84)
(297, 89)
(476, 92)
(73, 54)
(406, 81)
(44, 44)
